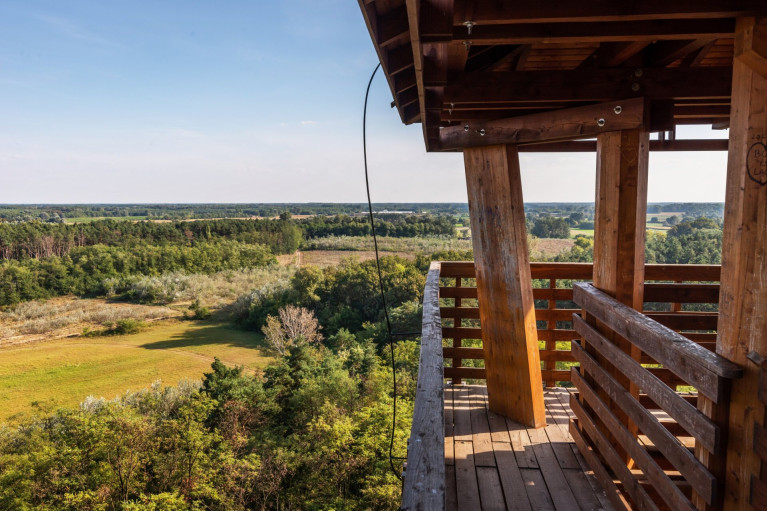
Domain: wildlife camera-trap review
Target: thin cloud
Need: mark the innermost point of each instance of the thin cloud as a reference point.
(72, 30)
(308, 123)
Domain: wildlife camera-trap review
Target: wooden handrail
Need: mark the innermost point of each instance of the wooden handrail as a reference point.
(603, 362)
(676, 352)
(424, 484)
(583, 271)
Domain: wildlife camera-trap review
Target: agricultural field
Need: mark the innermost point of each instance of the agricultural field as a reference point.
(325, 258)
(86, 219)
(63, 372)
(582, 232)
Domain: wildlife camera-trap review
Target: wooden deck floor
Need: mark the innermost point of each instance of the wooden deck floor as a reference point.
(496, 464)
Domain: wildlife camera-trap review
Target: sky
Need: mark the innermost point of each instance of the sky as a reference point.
(238, 101)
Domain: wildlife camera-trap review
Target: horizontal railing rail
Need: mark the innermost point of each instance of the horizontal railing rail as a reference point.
(424, 481)
(670, 288)
(676, 446)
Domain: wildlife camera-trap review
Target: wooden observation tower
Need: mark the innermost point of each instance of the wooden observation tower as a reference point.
(493, 79)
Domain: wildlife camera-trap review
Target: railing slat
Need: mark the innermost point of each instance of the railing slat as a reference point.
(682, 459)
(604, 447)
(686, 414)
(660, 481)
(695, 364)
(424, 485)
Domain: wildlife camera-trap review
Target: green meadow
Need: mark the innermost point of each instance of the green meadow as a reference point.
(63, 372)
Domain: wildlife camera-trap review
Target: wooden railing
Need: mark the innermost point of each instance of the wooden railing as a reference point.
(424, 483)
(664, 450)
(670, 289)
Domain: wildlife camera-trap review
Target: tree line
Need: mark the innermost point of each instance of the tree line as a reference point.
(398, 226)
(60, 212)
(86, 270)
(283, 236)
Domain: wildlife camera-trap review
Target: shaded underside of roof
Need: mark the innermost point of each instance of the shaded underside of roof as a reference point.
(458, 62)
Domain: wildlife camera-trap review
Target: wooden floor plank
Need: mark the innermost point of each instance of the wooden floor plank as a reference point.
(561, 442)
(581, 488)
(499, 432)
(537, 491)
(490, 492)
(449, 427)
(511, 478)
(466, 477)
(495, 463)
(520, 442)
(480, 429)
(451, 491)
(564, 398)
(461, 413)
(560, 491)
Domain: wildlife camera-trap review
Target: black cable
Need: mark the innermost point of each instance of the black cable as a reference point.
(380, 280)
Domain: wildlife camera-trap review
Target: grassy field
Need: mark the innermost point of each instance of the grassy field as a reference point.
(65, 371)
(584, 232)
(86, 219)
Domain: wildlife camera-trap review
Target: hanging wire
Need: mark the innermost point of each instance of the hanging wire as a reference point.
(390, 335)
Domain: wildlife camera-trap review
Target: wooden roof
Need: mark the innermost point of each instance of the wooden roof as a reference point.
(463, 62)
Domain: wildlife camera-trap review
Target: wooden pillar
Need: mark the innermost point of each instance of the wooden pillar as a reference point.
(504, 285)
(619, 236)
(620, 215)
(743, 296)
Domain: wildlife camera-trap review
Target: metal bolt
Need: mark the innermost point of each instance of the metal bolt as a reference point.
(635, 86)
(466, 127)
(469, 25)
(467, 45)
(482, 132)
(638, 72)
(618, 109)
(600, 122)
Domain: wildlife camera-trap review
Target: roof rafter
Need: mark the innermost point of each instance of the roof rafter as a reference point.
(589, 85)
(610, 10)
(573, 32)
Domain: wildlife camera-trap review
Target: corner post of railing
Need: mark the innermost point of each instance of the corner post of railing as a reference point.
(424, 484)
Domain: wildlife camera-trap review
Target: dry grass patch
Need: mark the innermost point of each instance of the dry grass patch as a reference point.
(323, 258)
(67, 316)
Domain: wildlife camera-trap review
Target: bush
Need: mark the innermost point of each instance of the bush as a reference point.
(119, 327)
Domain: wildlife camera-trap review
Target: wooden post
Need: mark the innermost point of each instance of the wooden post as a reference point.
(743, 294)
(620, 215)
(619, 233)
(504, 285)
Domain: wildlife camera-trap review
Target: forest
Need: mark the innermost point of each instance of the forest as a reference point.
(309, 430)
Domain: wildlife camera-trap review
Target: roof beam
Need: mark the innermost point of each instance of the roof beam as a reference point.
(751, 44)
(676, 113)
(612, 54)
(615, 31)
(564, 124)
(589, 85)
(392, 26)
(610, 10)
(590, 146)
(664, 53)
(400, 58)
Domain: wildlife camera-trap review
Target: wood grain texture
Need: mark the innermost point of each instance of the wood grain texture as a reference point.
(424, 485)
(677, 454)
(506, 306)
(564, 124)
(743, 297)
(685, 413)
(666, 346)
(751, 43)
